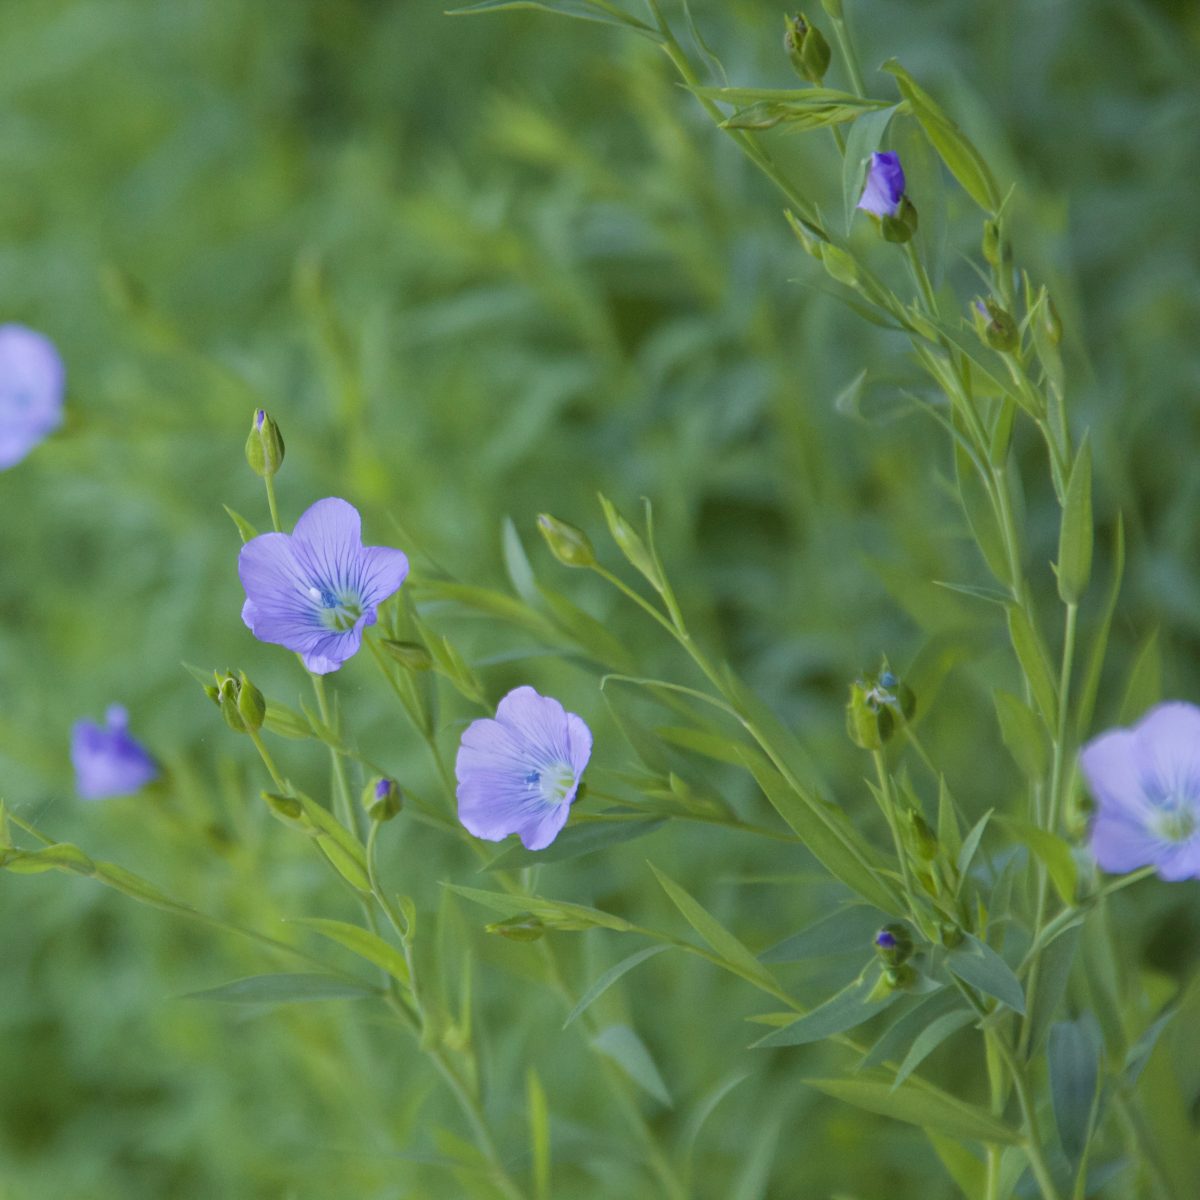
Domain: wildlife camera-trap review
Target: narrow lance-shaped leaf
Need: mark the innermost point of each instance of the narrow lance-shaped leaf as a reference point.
(976, 963)
(1031, 654)
(849, 1008)
(605, 981)
(957, 151)
(270, 990)
(1075, 535)
(629, 1052)
(929, 1039)
(366, 945)
(923, 1105)
(1022, 733)
(726, 945)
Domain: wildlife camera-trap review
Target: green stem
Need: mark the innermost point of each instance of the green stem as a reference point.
(268, 761)
(1033, 1139)
(272, 504)
(343, 805)
(1053, 809)
(888, 804)
(849, 56)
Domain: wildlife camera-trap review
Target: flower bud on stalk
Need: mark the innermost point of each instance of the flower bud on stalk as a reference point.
(996, 327)
(894, 944)
(806, 48)
(382, 800)
(569, 545)
(883, 197)
(264, 446)
(241, 703)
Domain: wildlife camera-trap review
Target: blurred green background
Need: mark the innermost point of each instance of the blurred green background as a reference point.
(485, 267)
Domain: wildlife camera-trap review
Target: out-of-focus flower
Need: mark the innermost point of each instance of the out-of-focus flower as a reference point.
(520, 772)
(1146, 783)
(314, 590)
(885, 185)
(32, 380)
(107, 760)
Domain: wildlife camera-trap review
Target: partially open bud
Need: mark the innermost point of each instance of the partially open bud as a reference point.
(241, 703)
(264, 446)
(894, 944)
(806, 48)
(382, 799)
(569, 545)
(995, 326)
(523, 928)
(412, 656)
(875, 704)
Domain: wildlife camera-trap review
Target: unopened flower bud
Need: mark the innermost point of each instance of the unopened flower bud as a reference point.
(287, 808)
(382, 799)
(241, 703)
(1052, 322)
(902, 226)
(806, 48)
(569, 545)
(995, 326)
(523, 928)
(410, 655)
(264, 446)
(894, 944)
(840, 265)
(991, 243)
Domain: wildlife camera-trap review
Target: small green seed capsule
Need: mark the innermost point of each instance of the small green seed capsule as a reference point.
(569, 545)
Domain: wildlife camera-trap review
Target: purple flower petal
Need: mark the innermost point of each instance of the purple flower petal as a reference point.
(885, 185)
(32, 380)
(519, 772)
(314, 591)
(1146, 782)
(107, 761)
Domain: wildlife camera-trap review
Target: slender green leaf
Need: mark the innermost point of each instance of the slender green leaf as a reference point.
(286, 722)
(1023, 734)
(896, 1040)
(1073, 1055)
(981, 516)
(971, 843)
(844, 931)
(1036, 666)
(976, 963)
(930, 1038)
(849, 1008)
(962, 1166)
(711, 745)
(923, 1105)
(362, 942)
(1053, 851)
(629, 1052)
(827, 834)
(580, 9)
(246, 531)
(1075, 534)
(965, 162)
(284, 989)
(1095, 663)
(1144, 688)
(949, 829)
(724, 943)
(1054, 974)
(605, 981)
(345, 852)
(558, 914)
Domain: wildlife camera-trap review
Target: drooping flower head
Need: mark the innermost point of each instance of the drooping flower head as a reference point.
(885, 185)
(1146, 783)
(520, 772)
(107, 760)
(32, 379)
(315, 589)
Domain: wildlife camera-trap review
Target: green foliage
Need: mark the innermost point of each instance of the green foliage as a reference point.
(489, 267)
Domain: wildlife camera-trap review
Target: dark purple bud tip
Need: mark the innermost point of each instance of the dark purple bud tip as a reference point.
(383, 789)
(260, 416)
(885, 939)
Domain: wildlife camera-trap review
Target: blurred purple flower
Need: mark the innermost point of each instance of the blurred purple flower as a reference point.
(885, 185)
(1146, 782)
(519, 773)
(32, 379)
(314, 590)
(108, 762)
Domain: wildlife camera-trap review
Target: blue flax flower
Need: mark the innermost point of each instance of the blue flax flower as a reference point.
(885, 185)
(314, 590)
(32, 379)
(108, 762)
(520, 772)
(1146, 782)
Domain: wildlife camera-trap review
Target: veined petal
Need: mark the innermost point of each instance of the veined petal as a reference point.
(1167, 751)
(327, 542)
(381, 571)
(1109, 764)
